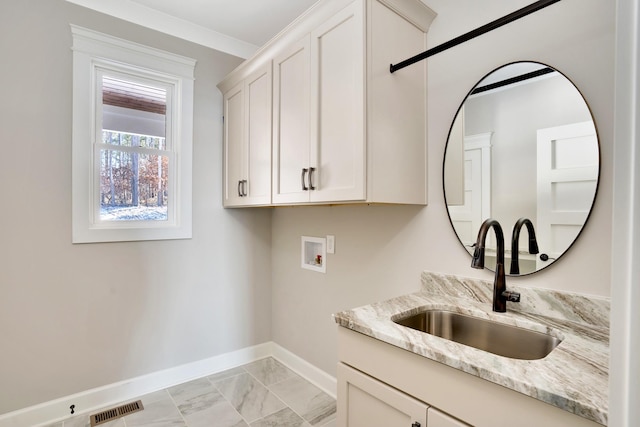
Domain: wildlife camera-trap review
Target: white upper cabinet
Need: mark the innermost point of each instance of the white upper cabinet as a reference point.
(338, 156)
(344, 128)
(233, 145)
(291, 115)
(247, 140)
(396, 123)
(319, 151)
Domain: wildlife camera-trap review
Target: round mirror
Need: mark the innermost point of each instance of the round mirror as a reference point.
(523, 146)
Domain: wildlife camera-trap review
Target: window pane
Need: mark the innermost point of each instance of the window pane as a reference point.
(133, 186)
(134, 108)
(132, 140)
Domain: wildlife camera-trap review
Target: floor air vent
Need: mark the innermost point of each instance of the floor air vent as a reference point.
(113, 413)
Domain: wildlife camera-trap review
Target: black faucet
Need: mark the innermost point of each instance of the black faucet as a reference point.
(515, 237)
(500, 293)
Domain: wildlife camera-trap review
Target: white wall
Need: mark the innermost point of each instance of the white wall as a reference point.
(381, 250)
(74, 317)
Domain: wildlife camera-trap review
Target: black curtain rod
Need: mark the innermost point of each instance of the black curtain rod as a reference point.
(520, 13)
(512, 80)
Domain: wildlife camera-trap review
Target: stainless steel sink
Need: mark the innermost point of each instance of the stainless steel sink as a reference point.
(496, 338)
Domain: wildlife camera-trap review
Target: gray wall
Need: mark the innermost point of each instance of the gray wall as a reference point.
(74, 317)
(381, 250)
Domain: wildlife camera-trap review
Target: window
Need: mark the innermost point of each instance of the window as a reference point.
(132, 139)
(135, 161)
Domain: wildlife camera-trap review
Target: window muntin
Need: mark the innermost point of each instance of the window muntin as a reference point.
(126, 139)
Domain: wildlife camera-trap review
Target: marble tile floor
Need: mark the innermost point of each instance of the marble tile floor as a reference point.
(264, 393)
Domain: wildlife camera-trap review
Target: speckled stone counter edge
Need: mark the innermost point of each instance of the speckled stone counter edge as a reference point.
(573, 377)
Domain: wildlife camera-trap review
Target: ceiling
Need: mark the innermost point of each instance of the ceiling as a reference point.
(252, 21)
(237, 27)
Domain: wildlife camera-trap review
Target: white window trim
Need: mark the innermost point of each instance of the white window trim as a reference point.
(93, 51)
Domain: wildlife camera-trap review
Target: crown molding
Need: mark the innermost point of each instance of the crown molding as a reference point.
(159, 21)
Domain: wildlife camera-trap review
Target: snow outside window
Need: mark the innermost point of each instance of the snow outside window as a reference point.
(132, 139)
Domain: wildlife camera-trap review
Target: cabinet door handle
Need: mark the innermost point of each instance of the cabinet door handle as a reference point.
(304, 172)
(244, 188)
(416, 424)
(240, 188)
(311, 170)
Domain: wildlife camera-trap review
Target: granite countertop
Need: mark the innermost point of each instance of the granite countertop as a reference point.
(573, 377)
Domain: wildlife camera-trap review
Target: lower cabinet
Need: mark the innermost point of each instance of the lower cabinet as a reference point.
(436, 418)
(382, 385)
(364, 401)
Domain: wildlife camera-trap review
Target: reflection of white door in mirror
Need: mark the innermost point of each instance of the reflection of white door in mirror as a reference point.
(568, 163)
(468, 217)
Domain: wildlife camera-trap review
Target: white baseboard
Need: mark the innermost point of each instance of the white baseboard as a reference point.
(313, 374)
(101, 397)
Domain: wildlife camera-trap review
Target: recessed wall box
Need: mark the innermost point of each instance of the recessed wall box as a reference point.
(314, 254)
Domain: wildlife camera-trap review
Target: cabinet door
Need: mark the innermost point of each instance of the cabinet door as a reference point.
(436, 418)
(366, 402)
(337, 107)
(257, 173)
(291, 83)
(233, 145)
